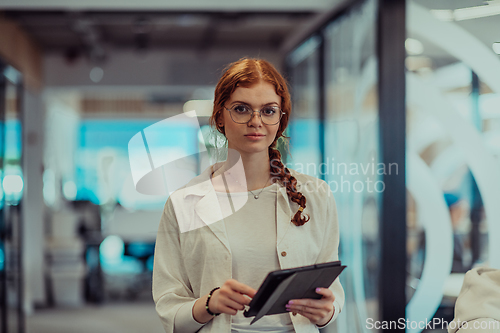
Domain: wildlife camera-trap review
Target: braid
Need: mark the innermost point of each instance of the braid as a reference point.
(281, 173)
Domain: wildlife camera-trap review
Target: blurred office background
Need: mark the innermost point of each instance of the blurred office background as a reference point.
(410, 91)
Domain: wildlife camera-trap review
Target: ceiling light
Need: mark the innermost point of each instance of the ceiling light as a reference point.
(96, 74)
(70, 190)
(496, 47)
(476, 12)
(443, 14)
(468, 13)
(414, 46)
(12, 184)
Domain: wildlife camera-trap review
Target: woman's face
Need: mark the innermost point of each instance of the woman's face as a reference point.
(254, 136)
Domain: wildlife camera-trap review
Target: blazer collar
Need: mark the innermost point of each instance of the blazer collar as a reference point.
(202, 184)
(208, 209)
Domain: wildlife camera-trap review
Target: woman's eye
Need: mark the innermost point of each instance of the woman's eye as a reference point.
(269, 111)
(240, 108)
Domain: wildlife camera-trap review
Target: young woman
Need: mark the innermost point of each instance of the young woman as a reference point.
(224, 231)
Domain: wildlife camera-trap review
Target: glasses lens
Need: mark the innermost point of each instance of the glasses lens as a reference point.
(270, 115)
(241, 113)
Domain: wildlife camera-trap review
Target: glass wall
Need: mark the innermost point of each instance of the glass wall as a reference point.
(453, 153)
(347, 129)
(89, 181)
(352, 152)
(304, 128)
(11, 192)
(108, 178)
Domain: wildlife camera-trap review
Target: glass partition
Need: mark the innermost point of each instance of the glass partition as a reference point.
(453, 93)
(11, 193)
(304, 128)
(352, 153)
(340, 144)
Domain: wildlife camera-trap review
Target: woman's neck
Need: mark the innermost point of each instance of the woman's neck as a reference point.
(255, 168)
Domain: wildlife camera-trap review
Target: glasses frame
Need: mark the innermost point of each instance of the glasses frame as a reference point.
(251, 116)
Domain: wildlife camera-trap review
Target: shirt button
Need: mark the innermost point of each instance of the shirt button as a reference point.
(283, 254)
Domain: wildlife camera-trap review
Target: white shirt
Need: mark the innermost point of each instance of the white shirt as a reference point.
(192, 253)
(252, 238)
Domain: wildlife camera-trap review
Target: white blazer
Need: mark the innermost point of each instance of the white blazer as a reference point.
(192, 253)
(478, 305)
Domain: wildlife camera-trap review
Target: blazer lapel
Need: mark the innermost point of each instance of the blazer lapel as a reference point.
(208, 209)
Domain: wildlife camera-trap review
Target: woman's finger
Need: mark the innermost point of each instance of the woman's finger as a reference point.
(221, 303)
(228, 310)
(311, 303)
(313, 317)
(242, 288)
(326, 292)
(229, 293)
(315, 310)
(232, 304)
(306, 309)
(239, 298)
(231, 297)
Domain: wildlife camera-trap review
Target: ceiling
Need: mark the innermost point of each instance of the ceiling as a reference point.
(91, 26)
(485, 29)
(92, 31)
(74, 27)
(172, 5)
(95, 28)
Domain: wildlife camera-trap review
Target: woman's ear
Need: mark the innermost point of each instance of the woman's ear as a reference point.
(220, 120)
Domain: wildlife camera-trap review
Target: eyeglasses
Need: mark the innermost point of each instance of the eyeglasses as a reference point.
(242, 114)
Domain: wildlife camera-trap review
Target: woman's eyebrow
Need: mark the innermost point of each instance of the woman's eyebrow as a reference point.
(241, 102)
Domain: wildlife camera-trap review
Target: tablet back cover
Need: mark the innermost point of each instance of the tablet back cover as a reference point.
(301, 284)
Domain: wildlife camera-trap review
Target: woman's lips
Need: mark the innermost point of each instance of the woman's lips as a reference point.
(255, 137)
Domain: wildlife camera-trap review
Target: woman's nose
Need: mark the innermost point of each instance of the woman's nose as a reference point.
(255, 120)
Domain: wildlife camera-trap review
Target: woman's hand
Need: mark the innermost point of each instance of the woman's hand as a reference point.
(319, 311)
(230, 298)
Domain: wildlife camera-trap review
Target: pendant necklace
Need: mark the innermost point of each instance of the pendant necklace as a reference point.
(256, 196)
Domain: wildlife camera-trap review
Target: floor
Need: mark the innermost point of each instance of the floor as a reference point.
(108, 318)
(118, 317)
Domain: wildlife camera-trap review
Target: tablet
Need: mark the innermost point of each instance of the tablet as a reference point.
(283, 285)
